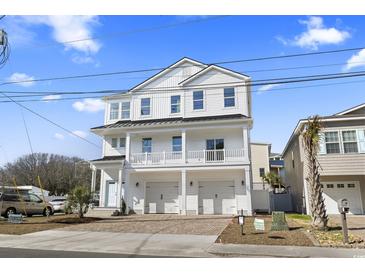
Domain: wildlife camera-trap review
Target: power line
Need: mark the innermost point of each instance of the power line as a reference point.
(50, 121)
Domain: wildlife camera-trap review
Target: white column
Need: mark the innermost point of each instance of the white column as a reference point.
(248, 185)
(246, 145)
(183, 192)
(183, 145)
(125, 191)
(119, 188)
(93, 178)
(127, 146)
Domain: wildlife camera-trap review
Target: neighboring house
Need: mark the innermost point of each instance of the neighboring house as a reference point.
(341, 158)
(178, 143)
(260, 164)
(277, 164)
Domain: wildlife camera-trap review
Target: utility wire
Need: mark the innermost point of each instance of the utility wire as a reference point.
(50, 121)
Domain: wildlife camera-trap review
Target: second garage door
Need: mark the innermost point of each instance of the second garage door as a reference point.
(217, 198)
(333, 191)
(162, 197)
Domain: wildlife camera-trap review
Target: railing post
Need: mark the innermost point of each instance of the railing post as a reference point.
(224, 155)
(205, 156)
(145, 158)
(164, 157)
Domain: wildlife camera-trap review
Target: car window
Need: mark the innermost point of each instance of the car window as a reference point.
(58, 200)
(33, 198)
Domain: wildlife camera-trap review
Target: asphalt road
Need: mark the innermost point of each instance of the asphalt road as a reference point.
(37, 253)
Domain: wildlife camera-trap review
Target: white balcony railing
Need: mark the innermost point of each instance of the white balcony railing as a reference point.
(192, 157)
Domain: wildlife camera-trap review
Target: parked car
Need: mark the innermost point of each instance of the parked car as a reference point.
(27, 204)
(59, 204)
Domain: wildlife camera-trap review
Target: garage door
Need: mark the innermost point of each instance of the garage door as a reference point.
(333, 191)
(162, 197)
(217, 198)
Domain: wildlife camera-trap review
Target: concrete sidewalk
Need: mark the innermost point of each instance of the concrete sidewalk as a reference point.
(171, 245)
(284, 251)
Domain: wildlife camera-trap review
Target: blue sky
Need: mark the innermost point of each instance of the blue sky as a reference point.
(38, 51)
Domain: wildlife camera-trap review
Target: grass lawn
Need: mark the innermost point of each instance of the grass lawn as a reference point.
(295, 235)
(34, 224)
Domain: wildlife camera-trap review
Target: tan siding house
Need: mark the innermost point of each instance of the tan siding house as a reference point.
(341, 159)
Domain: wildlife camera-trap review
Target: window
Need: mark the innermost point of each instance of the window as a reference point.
(198, 100)
(349, 141)
(35, 199)
(340, 186)
(126, 107)
(114, 142)
(145, 106)
(292, 159)
(262, 171)
(147, 145)
(114, 111)
(351, 185)
(329, 185)
(332, 142)
(175, 104)
(176, 143)
(122, 142)
(229, 97)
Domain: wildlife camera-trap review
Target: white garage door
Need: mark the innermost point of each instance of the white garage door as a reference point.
(162, 197)
(333, 191)
(217, 198)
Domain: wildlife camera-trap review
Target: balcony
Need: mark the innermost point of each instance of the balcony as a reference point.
(192, 157)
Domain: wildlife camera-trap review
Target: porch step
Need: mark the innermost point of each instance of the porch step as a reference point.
(101, 212)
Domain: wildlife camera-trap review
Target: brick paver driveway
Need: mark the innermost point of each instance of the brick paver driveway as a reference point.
(355, 223)
(159, 224)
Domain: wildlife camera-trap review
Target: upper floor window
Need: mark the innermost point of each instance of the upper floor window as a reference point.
(147, 145)
(175, 104)
(229, 97)
(126, 107)
(349, 141)
(262, 171)
(114, 111)
(198, 100)
(145, 106)
(176, 143)
(114, 142)
(332, 142)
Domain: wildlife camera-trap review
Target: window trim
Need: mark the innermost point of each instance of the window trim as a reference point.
(203, 100)
(122, 110)
(260, 169)
(116, 144)
(339, 142)
(149, 107)
(143, 139)
(120, 143)
(229, 97)
(172, 144)
(343, 141)
(176, 104)
(110, 110)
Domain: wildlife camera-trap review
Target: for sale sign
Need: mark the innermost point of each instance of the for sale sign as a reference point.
(259, 224)
(15, 218)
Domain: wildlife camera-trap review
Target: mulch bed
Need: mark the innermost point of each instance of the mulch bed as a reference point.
(232, 234)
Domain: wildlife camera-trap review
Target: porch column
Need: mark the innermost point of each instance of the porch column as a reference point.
(246, 145)
(127, 146)
(119, 189)
(248, 186)
(183, 192)
(125, 191)
(93, 178)
(183, 145)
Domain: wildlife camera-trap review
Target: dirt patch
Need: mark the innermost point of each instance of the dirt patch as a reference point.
(232, 234)
(34, 224)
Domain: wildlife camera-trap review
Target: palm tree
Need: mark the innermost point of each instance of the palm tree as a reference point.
(272, 179)
(311, 138)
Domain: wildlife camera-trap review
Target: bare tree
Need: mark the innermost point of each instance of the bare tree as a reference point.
(311, 139)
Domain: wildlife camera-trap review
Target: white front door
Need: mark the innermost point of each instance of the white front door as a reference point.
(112, 194)
(333, 191)
(217, 197)
(162, 197)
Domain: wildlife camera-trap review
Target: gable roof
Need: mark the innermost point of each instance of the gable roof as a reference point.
(214, 67)
(166, 70)
(350, 110)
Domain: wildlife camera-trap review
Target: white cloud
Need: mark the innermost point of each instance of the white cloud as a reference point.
(356, 60)
(79, 133)
(89, 105)
(267, 87)
(317, 34)
(23, 79)
(82, 59)
(50, 98)
(59, 136)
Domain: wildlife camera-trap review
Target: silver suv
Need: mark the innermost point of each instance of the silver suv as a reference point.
(27, 204)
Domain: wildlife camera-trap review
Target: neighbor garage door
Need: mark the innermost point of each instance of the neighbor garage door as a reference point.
(217, 198)
(333, 191)
(162, 197)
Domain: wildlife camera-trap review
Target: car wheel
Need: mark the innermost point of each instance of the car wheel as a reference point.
(10, 211)
(47, 211)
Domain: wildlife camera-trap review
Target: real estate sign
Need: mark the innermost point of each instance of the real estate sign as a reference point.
(259, 224)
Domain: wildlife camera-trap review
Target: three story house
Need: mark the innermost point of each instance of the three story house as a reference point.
(178, 143)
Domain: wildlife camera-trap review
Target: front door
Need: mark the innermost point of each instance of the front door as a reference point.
(215, 150)
(111, 194)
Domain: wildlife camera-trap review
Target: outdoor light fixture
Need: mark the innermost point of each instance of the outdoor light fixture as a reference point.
(243, 183)
(191, 183)
(137, 184)
(123, 183)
